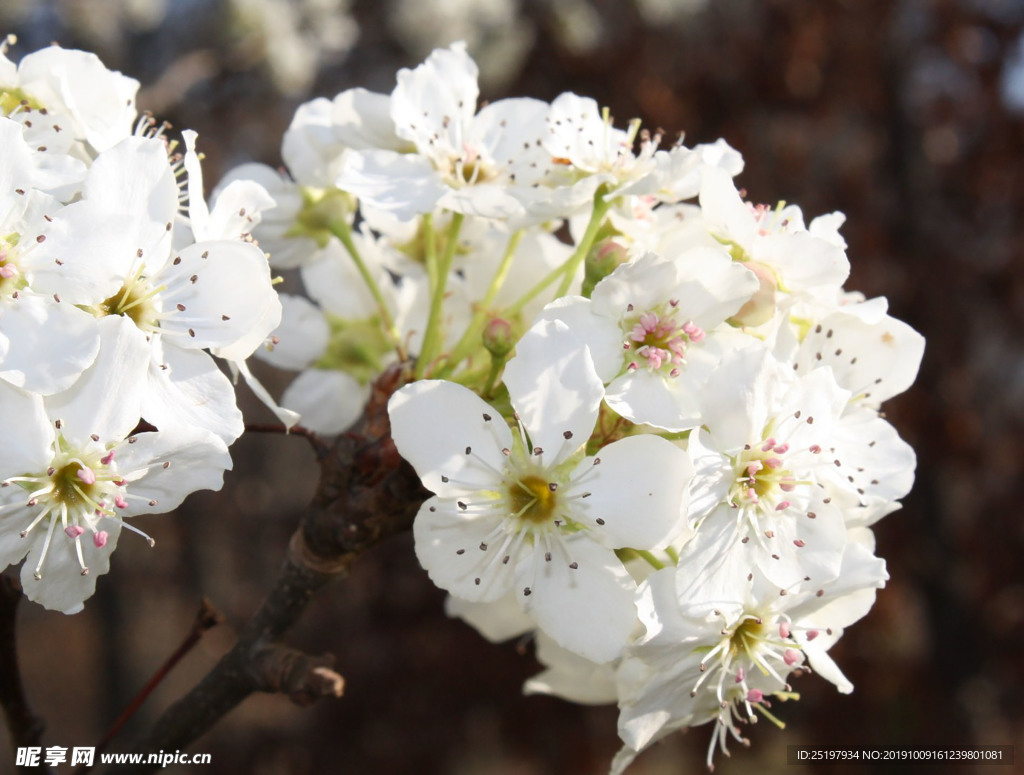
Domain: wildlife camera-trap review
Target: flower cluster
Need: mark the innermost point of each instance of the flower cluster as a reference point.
(647, 408)
(117, 282)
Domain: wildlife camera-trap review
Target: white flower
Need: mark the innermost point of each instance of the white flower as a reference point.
(718, 646)
(872, 354)
(587, 151)
(74, 472)
(528, 511)
(70, 106)
(465, 161)
(654, 327)
(309, 207)
(790, 261)
(112, 252)
(764, 484)
(31, 321)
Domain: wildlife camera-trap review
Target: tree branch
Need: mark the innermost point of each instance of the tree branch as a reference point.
(367, 493)
(303, 678)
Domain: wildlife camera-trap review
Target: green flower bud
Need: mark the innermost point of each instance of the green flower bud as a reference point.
(498, 338)
(601, 261)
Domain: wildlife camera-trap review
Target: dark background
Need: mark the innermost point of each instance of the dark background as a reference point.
(904, 114)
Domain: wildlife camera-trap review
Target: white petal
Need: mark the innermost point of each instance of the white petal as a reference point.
(588, 610)
(287, 417)
(28, 433)
(446, 430)
(451, 545)
(571, 676)
(328, 401)
(601, 334)
(437, 100)
(646, 396)
(32, 325)
(362, 120)
(645, 284)
(223, 296)
(198, 212)
(399, 183)
(101, 101)
(554, 388)
(482, 201)
(498, 620)
(107, 399)
(310, 143)
(186, 387)
(639, 490)
(134, 177)
(237, 210)
(874, 359)
(63, 587)
(300, 339)
(164, 467)
(334, 282)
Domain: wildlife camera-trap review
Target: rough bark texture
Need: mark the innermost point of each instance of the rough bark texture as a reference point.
(366, 494)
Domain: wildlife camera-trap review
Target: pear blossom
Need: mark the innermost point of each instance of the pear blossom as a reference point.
(529, 512)
(654, 327)
(717, 648)
(65, 96)
(791, 261)
(872, 354)
(32, 321)
(309, 206)
(76, 471)
(70, 108)
(588, 152)
(761, 469)
(476, 163)
(113, 254)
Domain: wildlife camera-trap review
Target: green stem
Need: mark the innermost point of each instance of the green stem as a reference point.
(568, 270)
(433, 337)
(343, 232)
(471, 337)
(673, 554)
(627, 554)
(492, 376)
(653, 561)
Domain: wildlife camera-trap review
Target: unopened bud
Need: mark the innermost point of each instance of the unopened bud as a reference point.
(321, 210)
(498, 338)
(601, 261)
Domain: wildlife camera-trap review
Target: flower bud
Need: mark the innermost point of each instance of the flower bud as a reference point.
(321, 209)
(601, 261)
(498, 338)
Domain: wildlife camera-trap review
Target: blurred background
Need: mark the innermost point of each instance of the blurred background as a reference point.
(907, 115)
